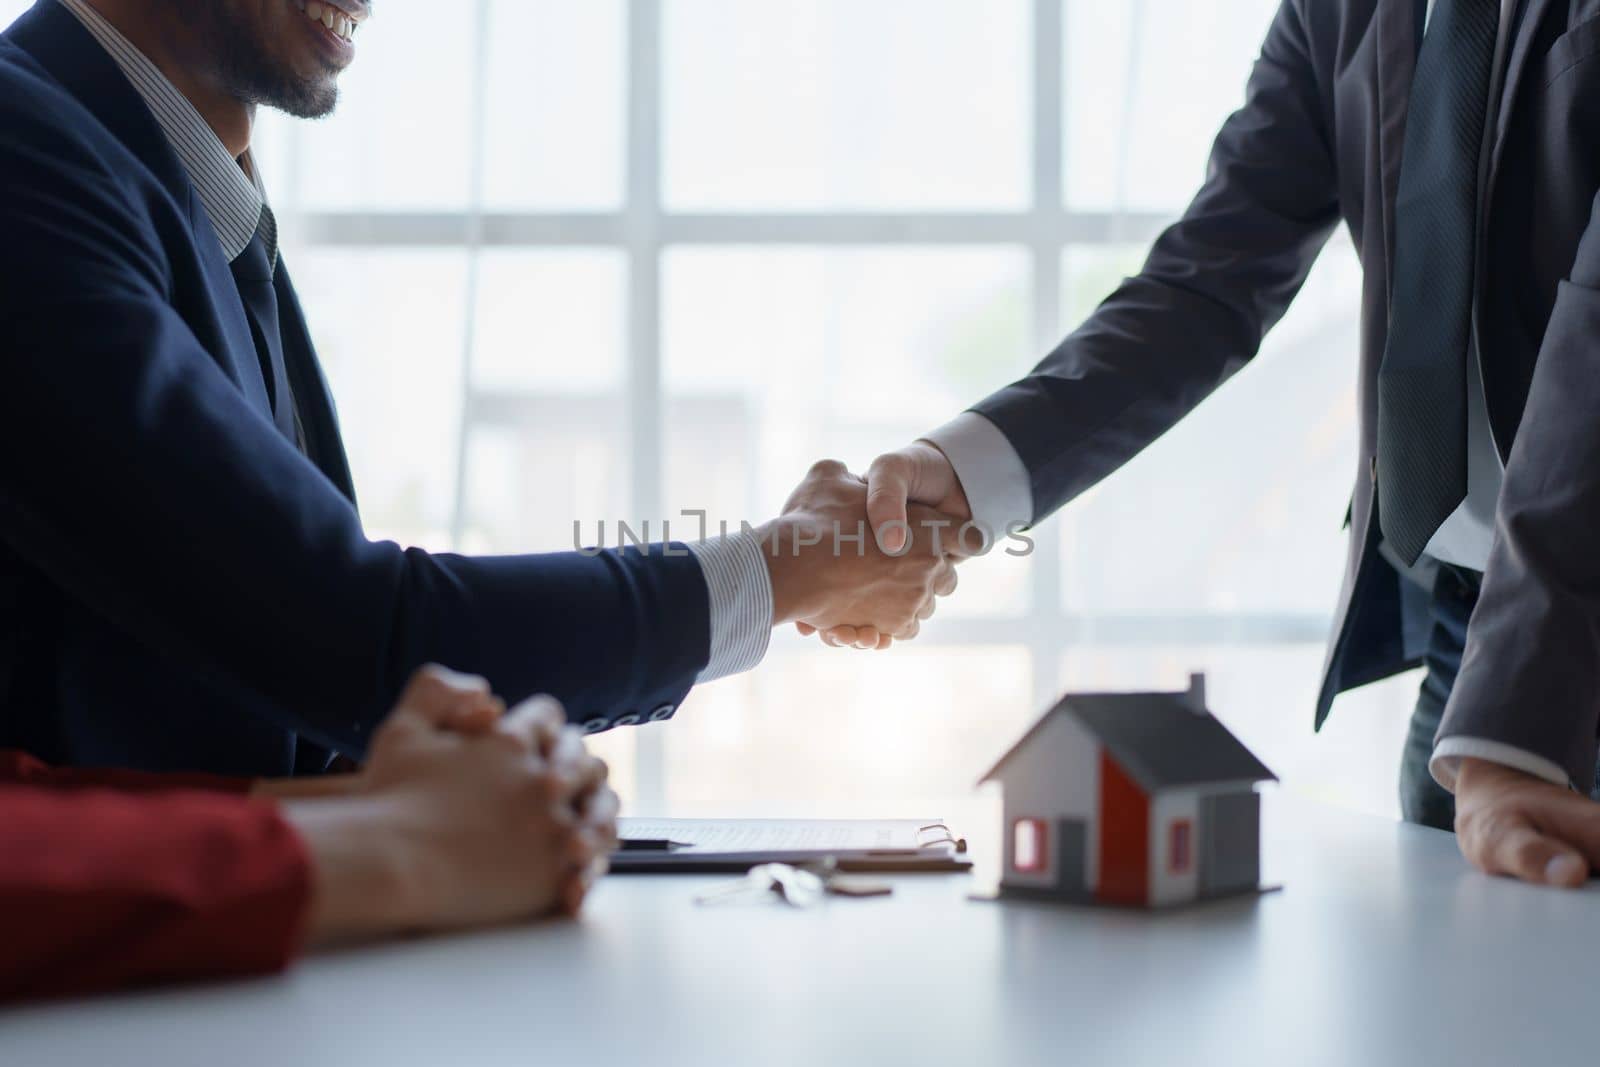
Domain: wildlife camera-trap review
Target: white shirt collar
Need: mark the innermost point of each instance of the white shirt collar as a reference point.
(232, 194)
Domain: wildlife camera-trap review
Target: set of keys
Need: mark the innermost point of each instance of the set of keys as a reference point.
(799, 887)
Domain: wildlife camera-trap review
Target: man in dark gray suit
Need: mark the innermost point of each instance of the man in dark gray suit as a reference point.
(1448, 136)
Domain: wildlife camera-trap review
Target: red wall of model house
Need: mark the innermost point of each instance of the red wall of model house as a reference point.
(1124, 837)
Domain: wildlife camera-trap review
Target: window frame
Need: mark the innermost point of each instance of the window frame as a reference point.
(1038, 830)
(1180, 846)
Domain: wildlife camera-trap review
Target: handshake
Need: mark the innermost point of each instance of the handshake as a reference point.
(467, 814)
(862, 561)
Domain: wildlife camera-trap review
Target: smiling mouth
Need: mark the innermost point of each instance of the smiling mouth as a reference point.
(333, 20)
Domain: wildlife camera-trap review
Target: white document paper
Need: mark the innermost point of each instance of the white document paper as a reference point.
(789, 835)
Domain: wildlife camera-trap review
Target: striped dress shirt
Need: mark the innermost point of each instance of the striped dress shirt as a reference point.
(230, 190)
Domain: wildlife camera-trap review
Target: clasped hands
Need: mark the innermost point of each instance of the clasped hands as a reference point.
(862, 561)
(464, 815)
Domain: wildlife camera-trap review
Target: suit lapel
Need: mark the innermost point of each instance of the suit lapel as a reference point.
(238, 355)
(319, 421)
(55, 37)
(1517, 62)
(1397, 61)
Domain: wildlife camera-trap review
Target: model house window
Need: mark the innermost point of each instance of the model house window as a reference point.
(1029, 850)
(1180, 851)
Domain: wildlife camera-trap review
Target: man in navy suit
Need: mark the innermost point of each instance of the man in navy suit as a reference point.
(178, 530)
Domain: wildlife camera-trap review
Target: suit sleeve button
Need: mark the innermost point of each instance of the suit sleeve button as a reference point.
(663, 713)
(629, 719)
(594, 726)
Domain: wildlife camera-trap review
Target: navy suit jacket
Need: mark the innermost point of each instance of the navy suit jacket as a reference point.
(180, 587)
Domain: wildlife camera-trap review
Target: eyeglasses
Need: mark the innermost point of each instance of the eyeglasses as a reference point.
(937, 833)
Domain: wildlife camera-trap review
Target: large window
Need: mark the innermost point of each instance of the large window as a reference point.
(620, 258)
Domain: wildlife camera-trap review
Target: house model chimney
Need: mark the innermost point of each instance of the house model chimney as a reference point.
(1196, 697)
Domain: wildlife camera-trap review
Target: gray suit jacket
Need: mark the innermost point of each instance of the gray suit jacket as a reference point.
(1318, 143)
(1530, 677)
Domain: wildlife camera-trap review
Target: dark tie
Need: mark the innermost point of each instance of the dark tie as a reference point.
(1422, 383)
(252, 273)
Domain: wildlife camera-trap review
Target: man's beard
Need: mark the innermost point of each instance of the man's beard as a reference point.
(246, 67)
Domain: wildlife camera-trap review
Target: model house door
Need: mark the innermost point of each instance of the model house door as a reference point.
(1230, 842)
(1072, 843)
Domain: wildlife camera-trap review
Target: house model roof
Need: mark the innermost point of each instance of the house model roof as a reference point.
(1163, 740)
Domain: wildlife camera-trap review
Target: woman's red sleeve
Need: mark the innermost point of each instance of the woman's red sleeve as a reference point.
(19, 768)
(102, 889)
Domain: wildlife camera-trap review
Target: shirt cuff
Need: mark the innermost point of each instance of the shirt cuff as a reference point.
(992, 474)
(739, 592)
(1449, 752)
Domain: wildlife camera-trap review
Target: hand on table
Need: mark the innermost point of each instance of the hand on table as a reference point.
(828, 571)
(461, 817)
(1515, 824)
(897, 482)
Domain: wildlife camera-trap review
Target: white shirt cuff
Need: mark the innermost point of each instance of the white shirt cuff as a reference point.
(992, 474)
(1448, 754)
(739, 594)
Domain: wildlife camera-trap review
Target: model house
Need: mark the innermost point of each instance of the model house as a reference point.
(1140, 799)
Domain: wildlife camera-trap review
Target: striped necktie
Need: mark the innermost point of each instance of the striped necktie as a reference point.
(1422, 384)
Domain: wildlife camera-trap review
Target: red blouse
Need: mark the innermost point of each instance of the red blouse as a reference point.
(113, 878)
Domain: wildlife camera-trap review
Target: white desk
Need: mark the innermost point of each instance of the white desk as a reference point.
(1383, 949)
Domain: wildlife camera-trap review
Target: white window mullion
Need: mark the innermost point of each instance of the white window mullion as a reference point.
(474, 244)
(642, 232)
(1049, 225)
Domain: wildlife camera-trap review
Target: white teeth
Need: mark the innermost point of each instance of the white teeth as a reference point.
(331, 17)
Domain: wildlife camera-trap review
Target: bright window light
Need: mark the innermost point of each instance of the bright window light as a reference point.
(617, 259)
